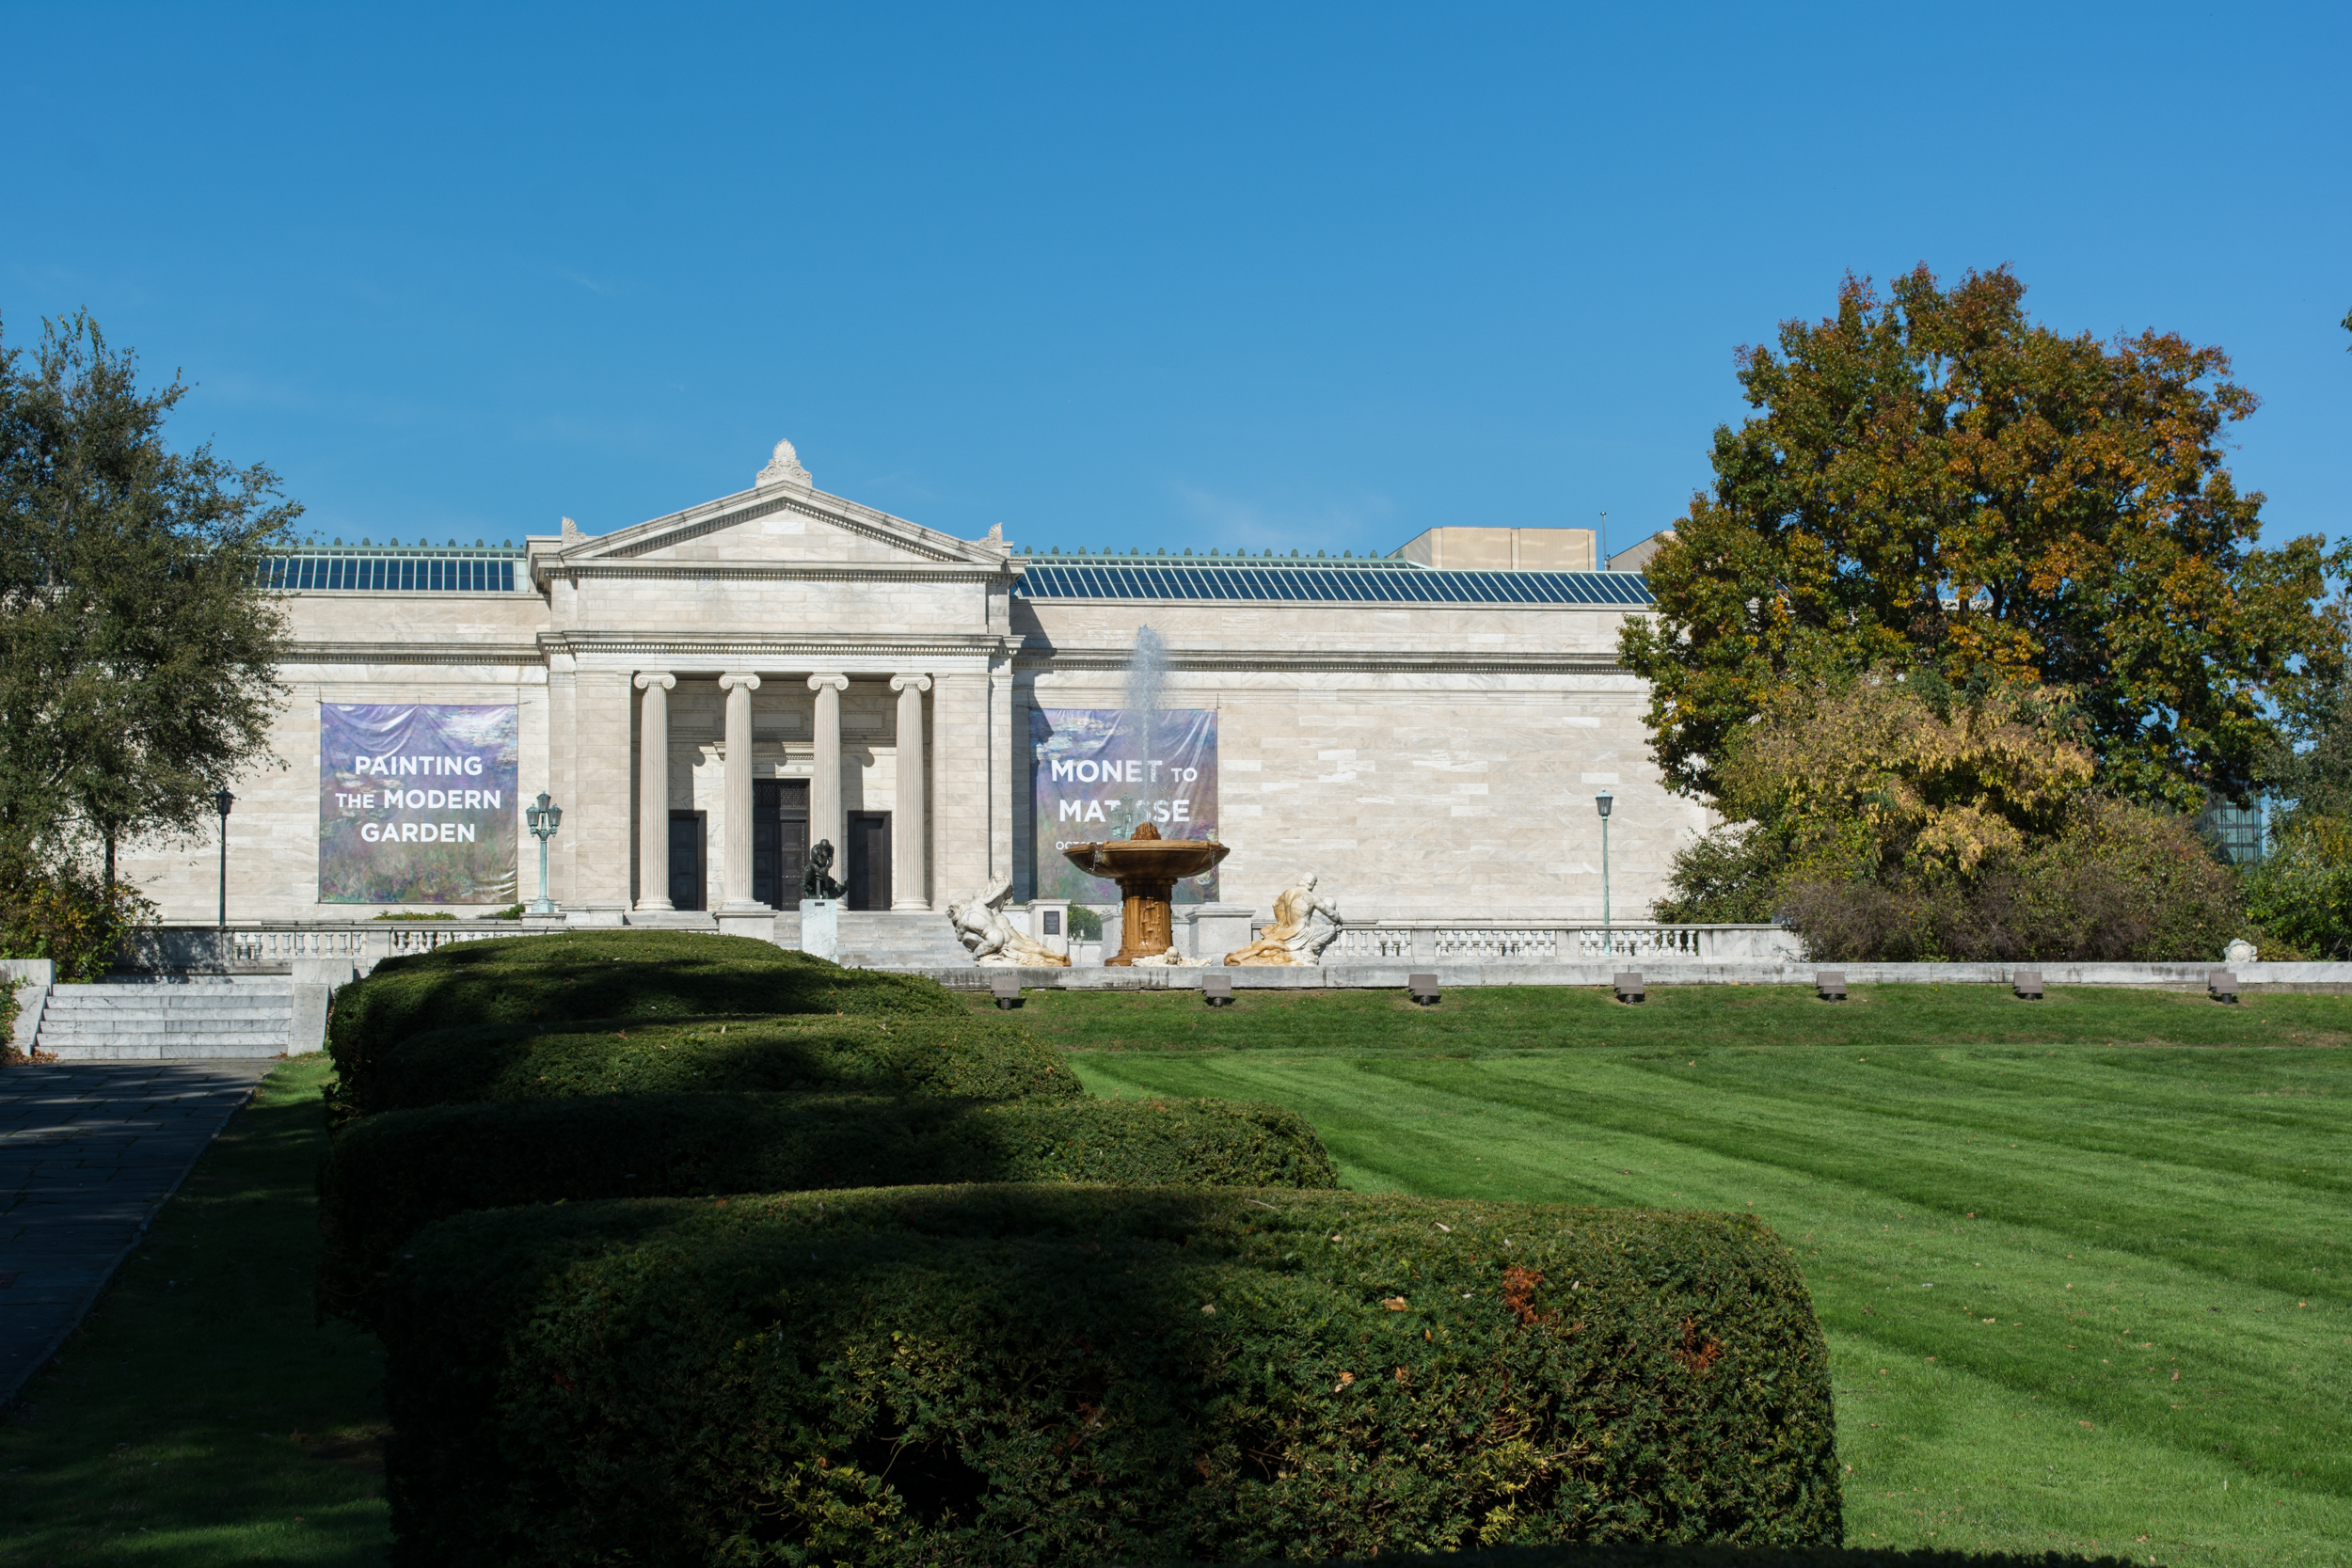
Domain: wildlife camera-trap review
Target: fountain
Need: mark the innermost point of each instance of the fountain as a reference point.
(1145, 865)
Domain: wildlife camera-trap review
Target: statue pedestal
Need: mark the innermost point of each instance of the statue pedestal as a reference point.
(821, 927)
(748, 920)
(1218, 929)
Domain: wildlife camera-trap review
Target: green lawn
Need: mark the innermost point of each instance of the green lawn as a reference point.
(2128, 1186)
(202, 1416)
(2081, 1262)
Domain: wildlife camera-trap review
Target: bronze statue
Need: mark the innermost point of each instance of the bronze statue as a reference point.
(816, 882)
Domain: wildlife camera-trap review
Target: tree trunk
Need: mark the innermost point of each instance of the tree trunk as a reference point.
(110, 868)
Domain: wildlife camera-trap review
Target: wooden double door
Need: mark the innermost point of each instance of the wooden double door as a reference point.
(780, 851)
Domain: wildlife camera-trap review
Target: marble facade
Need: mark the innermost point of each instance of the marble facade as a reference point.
(1429, 761)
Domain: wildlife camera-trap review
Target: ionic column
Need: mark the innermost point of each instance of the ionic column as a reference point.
(825, 820)
(735, 871)
(653, 791)
(907, 844)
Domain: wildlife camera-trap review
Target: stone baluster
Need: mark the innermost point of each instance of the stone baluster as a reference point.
(825, 820)
(909, 838)
(653, 791)
(735, 870)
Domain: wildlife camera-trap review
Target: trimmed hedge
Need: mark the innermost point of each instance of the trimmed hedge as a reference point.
(960, 1055)
(390, 1175)
(596, 974)
(1051, 1375)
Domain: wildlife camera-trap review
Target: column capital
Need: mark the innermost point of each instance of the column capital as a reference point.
(910, 683)
(661, 678)
(818, 683)
(738, 678)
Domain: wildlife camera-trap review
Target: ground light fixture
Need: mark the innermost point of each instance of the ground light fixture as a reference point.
(222, 800)
(1604, 800)
(543, 819)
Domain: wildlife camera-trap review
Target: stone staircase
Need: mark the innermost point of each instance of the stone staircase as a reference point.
(912, 939)
(205, 1019)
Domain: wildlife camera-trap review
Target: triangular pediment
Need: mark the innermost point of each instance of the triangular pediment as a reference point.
(784, 524)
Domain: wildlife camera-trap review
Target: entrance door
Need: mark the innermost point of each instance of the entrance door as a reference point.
(779, 841)
(869, 860)
(687, 875)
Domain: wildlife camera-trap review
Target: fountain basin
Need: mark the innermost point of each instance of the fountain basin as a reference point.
(1147, 868)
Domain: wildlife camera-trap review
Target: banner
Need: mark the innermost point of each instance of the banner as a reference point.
(417, 803)
(1097, 778)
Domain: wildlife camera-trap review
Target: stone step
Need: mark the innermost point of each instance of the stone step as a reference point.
(176, 1051)
(247, 1017)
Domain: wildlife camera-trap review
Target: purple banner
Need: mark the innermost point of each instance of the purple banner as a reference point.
(417, 803)
(1097, 778)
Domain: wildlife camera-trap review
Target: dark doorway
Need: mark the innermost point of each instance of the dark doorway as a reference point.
(687, 875)
(779, 841)
(869, 860)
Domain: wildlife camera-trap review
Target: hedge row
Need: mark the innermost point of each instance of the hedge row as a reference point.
(389, 1175)
(597, 975)
(963, 1055)
(987, 1375)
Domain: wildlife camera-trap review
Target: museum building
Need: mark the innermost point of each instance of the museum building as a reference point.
(706, 694)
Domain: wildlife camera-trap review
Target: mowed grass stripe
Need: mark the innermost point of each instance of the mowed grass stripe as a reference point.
(1945, 1457)
(2236, 1223)
(2161, 1231)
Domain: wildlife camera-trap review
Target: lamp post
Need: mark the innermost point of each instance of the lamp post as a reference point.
(543, 819)
(1604, 802)
(222, 800)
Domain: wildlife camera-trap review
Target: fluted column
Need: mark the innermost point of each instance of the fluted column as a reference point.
(908, 839)
(653, 790)
(825, 820)
(735, 871)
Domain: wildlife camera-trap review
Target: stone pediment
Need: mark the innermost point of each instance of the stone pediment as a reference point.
(783, 521)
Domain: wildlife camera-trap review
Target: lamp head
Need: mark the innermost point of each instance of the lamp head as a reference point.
(222, 800)
(1604, 800)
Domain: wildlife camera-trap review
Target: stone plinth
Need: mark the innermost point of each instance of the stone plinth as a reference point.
(821, 927)
(1213, 931)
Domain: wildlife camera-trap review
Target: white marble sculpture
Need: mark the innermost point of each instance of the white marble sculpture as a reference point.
(1294, 938)
(784, 468)
(981, 926)
(1173, 959)
(2240, 952)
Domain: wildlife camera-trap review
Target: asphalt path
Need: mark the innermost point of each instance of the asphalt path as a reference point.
(89, 1152)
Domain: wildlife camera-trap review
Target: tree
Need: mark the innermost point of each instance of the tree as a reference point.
(1898, 819)
(1934, 481)
(138, 651)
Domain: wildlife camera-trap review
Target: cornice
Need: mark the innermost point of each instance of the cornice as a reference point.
(413, 653)
(764, 501)
(579, 571)
(1035, 657)
(818, 645)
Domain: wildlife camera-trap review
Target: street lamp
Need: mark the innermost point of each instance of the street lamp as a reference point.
(222, 800)
(1604, 802)
(543, 819)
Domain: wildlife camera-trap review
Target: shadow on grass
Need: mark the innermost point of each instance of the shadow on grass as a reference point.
(200, 1416)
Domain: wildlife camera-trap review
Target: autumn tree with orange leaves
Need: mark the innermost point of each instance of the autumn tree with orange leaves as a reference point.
(1933, 481)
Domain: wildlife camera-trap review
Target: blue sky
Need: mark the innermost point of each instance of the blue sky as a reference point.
(1250, 275)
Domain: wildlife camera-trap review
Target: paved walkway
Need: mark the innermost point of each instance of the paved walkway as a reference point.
(87, 1153)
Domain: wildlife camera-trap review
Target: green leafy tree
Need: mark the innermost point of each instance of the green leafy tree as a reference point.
(1934, 481)
(138, 651)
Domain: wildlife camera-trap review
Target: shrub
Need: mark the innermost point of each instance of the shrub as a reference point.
(1063, 1375)
(2301, 895)
(71, 918)
(390, 1175)
(607, 974)
(2121, 884)
(962, 1055)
